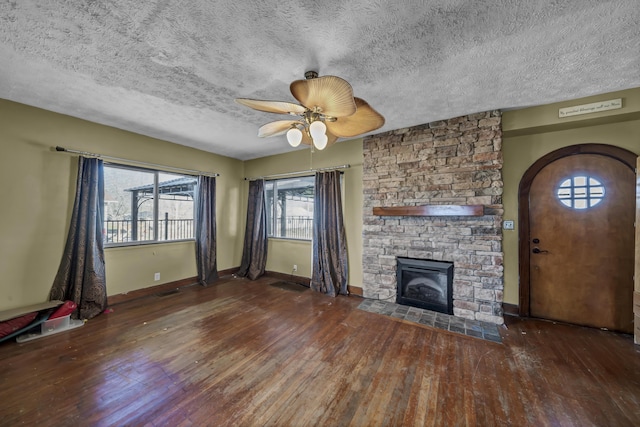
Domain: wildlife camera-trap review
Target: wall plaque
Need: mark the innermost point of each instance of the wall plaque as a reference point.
(595, 107)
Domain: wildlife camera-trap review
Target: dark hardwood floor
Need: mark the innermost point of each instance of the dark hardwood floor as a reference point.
(243, 353)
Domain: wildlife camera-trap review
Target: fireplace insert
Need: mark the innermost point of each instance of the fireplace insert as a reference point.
(425, 284)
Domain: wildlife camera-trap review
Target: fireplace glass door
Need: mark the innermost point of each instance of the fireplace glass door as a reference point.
(425, 284)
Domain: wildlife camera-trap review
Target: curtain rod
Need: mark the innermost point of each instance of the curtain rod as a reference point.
(299, 172)
(118, 159)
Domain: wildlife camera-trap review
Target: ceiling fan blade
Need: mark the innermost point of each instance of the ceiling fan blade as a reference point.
(364, 120)
(276, 128)
(330, 95)
(279, 107)
(331, 139)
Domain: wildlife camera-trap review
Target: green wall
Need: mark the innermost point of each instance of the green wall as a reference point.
(38, 184)
(36, 198)
(530, 133)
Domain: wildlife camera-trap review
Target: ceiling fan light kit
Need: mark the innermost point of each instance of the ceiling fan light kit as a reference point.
(320, 142)
(294, 136)
(327, 111)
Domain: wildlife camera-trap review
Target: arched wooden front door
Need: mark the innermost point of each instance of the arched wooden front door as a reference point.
(577, 237)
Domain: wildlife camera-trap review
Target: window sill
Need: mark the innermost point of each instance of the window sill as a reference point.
(140, 244)
(289, 239)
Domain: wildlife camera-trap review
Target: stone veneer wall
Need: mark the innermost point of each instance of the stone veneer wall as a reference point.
(457, 162)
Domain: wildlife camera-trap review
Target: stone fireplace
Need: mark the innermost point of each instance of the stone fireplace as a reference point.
(450, 166)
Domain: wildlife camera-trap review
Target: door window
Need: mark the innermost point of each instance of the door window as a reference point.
(580, 192)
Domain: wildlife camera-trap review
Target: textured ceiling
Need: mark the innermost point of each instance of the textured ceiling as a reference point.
(171, 69)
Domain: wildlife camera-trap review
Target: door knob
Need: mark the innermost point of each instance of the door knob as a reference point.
(539, 251)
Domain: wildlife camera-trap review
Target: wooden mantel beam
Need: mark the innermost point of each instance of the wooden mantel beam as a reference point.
(430, 210)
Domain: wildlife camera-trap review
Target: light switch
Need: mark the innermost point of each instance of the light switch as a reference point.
(507, 225)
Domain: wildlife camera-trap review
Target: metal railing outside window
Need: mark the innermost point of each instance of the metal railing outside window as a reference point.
(295, 228)
(121, 231)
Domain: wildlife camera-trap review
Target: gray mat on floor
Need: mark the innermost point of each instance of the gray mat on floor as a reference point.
(289, 286)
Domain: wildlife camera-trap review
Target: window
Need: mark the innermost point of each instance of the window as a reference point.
(290, 207)
(146, 206)
(580, 192)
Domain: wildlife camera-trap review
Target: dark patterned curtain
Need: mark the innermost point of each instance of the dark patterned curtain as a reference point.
(81, 275)
(206, 230)
(330, 269)
(254, 254)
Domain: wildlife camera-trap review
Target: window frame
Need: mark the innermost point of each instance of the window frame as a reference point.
(272, 210)
(156, 206)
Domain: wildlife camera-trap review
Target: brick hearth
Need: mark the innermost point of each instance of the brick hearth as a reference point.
(452, 162)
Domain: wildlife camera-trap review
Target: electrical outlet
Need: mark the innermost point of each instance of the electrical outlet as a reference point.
(295, 267)
(156, 277)
(508, 225)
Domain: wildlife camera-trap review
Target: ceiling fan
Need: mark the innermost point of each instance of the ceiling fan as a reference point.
(327, 111)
